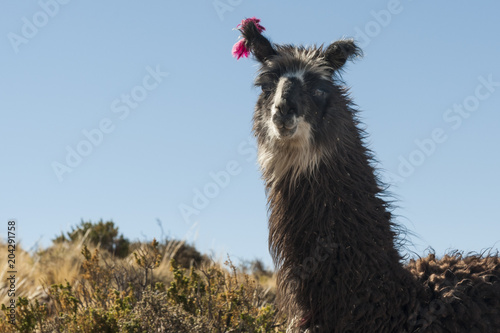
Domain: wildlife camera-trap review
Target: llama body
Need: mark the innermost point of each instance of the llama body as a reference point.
(330, 231)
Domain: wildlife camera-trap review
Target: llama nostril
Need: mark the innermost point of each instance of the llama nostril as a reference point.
(285, 109)
(289, 123)
(281, 109)
(278, 120)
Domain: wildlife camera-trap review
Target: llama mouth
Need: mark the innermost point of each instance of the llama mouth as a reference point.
(287, 132)
(285, 126)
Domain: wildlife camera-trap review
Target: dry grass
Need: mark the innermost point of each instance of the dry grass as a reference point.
(76, 286)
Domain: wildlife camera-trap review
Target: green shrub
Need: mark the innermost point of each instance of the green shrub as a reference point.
(230, 301)
(144, 292)
(29, 316)
(102, 234)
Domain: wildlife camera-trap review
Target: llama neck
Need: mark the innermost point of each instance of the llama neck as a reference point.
(340, 199)
(331, 236)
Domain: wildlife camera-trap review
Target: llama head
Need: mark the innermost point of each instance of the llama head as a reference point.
(301, 105)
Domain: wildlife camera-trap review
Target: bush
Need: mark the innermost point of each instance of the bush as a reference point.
(144, 292)
(102, 234)
(230, 301)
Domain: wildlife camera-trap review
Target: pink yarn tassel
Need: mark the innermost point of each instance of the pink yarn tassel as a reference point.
(240, 49)
(255, 20)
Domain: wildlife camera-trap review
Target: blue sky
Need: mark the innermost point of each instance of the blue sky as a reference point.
(149, 97)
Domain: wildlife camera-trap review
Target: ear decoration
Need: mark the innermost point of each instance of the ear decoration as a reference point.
(252, 41)
(340, 51)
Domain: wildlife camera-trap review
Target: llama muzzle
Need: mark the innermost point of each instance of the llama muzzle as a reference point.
(286, 125)
(284, 111)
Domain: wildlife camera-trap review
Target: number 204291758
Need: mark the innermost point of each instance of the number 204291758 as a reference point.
(11, 242)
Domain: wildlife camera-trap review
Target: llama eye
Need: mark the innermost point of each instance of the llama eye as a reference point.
(266, 88)
(319, 93)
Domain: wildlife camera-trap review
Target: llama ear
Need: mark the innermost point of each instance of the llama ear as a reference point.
(340, 51)
(257, 44)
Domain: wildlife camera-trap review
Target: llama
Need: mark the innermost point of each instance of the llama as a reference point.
(331, 234)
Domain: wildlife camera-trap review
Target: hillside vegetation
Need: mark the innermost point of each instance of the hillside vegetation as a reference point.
(94, 280)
